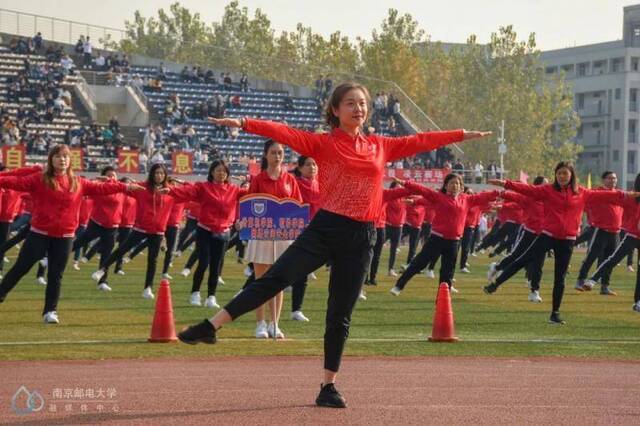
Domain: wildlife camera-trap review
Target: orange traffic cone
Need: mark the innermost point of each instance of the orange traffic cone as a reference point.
(443, 328)
(163, 329)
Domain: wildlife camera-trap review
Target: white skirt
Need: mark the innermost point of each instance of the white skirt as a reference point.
(266, 252)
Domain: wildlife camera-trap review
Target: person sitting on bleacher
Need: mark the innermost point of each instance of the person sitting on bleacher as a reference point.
(100, 62)
(67, 64)
(162, 72)
(244, 83)
(37, 42)
(184, 74)
(210, 77)
(228, 83)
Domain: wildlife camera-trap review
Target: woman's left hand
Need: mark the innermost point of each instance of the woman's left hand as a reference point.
(474, 134)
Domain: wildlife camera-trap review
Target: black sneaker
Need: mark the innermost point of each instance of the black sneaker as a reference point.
(201, 332)
(490, 289)
(372, 281)
(555, 319)
(330, 397)
(606, 291)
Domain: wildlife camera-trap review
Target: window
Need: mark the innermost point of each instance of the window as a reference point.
(582, 69)
(550, 70)
(616, 125)
(599, 137)
(568, 69)
(618, 94)
(632, 126)
(634, 64)
(631, 162)
(616, 64)
(580, 100)
(616, 155)
(599, 67)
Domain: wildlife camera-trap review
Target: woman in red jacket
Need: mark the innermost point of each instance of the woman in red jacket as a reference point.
(416, 211)
(187, 233)
(219, 204)
(564, 202)
(57, 196)
(306, 174)
(470, 228)
(396, 214)
(126, 224)
(152, 214)
(83, 220)
(351, 169)
(451, 206)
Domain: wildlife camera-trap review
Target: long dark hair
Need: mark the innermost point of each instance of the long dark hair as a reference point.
(212, 167)
(336, 97)
(447, 179)
(539, 180)
(268, 144)
(572, 182)
(106, 170)
(151, 181)
(301, 160)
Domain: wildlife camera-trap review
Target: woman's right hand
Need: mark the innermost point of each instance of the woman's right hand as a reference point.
(227, 122)
(399, 181)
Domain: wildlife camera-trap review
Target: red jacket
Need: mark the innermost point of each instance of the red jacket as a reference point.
(415, 214)
(128, 212)
(176, 214)
(389, 195)
(563, 209)
(451, 212)
(86, 207)
(605, 216)
(510, 212)
(107, 210)
(27, 203)
(219, 203)
(473, 216)
(56, 211)
(429, 210)
(533, 210)
(286, 186)
(194, 209)
(310, 191)
(152, 210)
(396, 212)
(351, 169)
(11, 201)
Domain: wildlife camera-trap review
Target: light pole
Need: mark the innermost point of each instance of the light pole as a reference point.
(502, 148)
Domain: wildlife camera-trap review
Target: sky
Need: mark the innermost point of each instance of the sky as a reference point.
(557, 23)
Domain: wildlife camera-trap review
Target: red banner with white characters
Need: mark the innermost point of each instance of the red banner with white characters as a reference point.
(434, 176)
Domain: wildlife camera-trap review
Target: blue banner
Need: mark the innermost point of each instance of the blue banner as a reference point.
(265, 217)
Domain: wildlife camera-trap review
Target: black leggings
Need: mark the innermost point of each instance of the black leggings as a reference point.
(465, 245)
(134, 239)
(393, 234)
(348, 244)
(510, 231)
(16, 239)
(562, 250)
(623, 234)
(4, 235)
(187, 232)
(80, 230)
(436, 246)
(123, 234)
(211, 248)
(170, 236)
(107, 239)
(586, 235)
(628, 244)
(601, 246)
(377, 251)
(37, 246)
(522, 244)
(491, 238)
(414, 238)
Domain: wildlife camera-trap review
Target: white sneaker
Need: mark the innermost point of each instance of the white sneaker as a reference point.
(167, 276)
(492, 272)
(362, 295)
(126, 259)
(534, 297)
(104, 287)
(392, 273)
(247, 271)
(221, 281)
(395, 291)
(278, 333)
(588, 284)
(83, 259)
(51, 318)
(76, 266)
(185, 272)
(44, 262)
(630, 268)
(97, 275)
(474, 255)
(6, 260)
(452, 289)
(120, 272)
(312, 276)
(261, 330)
(194, 300)
(147, 293)
(211, 302)
(299, 316)
(465, 270)
(430, 273)
(177, 253)
(41, 281)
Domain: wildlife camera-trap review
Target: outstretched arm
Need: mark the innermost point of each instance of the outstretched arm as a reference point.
(407, 146)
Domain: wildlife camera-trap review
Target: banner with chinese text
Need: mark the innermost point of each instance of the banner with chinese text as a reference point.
(77, 159)
(265, 217)
(14, 157)
(128, 161)
(419, 175)
(182, 162)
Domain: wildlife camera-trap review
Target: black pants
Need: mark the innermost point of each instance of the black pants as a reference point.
(80, 230)
(414, 237)
(170, 236)
(601, 246)
(16, 239)
(377, 252)
(465, 245)
(121, 237)
(630, 255)
(37, 246)
(474, 240)
(491, 238)
(186, 232)
(393, 234)
(628, 244)
(509, 233)
(193, 258)
(436, 246)
(586, 235)
(425, 232)
(134, 239)
(522, 244)
(211, 248)
(562, 250)
(348, 244)
(4, 236)
(20, 221)
(106, 242)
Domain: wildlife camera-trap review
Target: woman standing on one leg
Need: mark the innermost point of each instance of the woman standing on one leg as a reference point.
(152, 213)
(57, 195)
(351, 170)
(564, 201)
(396, 213)
(83, 221)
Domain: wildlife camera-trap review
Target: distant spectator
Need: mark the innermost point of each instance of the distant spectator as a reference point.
(114, 125)
(319, 86)
(244, 83)
(37, 42)
(478, 169)
(288, 104)
(162, 72)
(87, 48)
(157, 158)
(143, 159)
(79, 48)
(458, 167)
(67, 64)
(228, 83)
(493, 170)
(328, 86)
(100, 62)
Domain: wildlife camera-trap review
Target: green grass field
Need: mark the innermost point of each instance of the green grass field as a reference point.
(97, 325)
